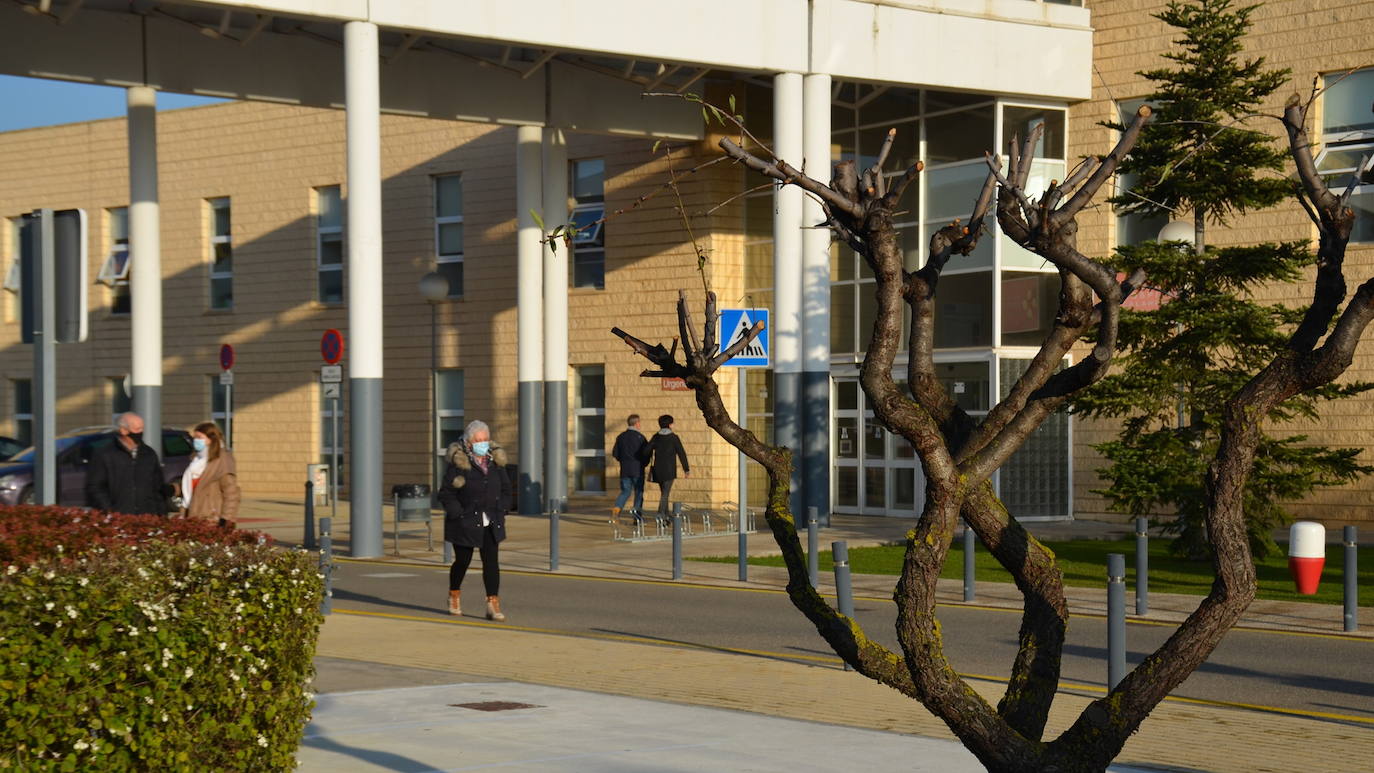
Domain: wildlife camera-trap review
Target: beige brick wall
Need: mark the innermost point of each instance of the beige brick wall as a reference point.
(267, 159)
(1312, 37)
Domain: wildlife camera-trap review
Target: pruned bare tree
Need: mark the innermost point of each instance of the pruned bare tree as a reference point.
(959, 454)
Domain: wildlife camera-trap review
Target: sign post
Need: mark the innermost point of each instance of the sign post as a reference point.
(331, 388)
(226, 379)
(733, 325)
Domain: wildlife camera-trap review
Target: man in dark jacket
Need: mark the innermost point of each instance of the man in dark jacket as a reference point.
(126, 476)
(630, 451)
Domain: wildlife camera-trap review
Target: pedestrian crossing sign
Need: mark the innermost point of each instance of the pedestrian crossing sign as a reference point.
(733, 324)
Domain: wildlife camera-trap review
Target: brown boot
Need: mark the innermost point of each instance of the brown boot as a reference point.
(454, 607)
(494, 609)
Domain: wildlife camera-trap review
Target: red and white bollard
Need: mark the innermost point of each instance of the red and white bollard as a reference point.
(1306, 555)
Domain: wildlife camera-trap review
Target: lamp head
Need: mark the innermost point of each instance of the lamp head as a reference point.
(434, 287)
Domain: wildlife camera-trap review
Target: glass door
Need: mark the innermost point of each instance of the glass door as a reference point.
(876, 472)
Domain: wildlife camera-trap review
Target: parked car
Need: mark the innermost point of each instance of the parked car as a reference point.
(9, 448)
(74, 451)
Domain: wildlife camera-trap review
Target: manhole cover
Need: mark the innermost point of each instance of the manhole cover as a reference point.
(494, 706)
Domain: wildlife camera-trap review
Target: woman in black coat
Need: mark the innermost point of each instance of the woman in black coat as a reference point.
(475, 494)
(665, 450)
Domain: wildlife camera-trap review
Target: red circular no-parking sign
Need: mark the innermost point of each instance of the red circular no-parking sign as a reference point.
(226, 357)
(331, 346)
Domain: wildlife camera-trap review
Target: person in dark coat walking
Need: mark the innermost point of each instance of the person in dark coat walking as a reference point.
(126, 476)
(475, 494)
(665, 451)
(629, 450)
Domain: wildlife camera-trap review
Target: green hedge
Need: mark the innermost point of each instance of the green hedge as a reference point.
(159, 656)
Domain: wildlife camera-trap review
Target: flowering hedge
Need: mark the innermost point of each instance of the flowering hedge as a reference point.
(35, 532)
(157, 656)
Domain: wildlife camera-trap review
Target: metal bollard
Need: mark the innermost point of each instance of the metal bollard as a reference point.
(813, 547)
(743, 549)
(308, 538)
(844, 590)
(553, 534)
(327, 565)
(970, 592)
(1352, 588)
(677, 540)
(1142, 566)
(1116, 619)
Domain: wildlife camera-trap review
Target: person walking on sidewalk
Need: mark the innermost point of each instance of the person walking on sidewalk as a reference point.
(665, 450)
(475, 494)
(210, 485)
(126, 476)
(629, 450)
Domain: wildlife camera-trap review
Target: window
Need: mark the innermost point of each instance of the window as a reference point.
(448, 415)
(329, 443)
(13, 274)
(329, 247)
(589, 424)
(120, 402)
(219, 408)
(448, 231)
(1348, 143)
(115, 271)
(588, 187)
(221, 255)
(23, 411)
(1133, 227)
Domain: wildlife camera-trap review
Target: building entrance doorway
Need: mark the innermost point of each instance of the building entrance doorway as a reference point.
(875, 471)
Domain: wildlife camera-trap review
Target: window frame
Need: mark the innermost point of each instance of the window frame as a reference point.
(321, 232)
(214, 205)
(24, 418)
(449, 259)
(589, 243)
(118, 265)
(580, 410)
(1358, 141)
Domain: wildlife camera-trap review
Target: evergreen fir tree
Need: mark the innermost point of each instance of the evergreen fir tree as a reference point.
(1197, 160)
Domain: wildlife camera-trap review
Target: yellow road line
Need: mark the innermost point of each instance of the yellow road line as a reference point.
(834, 661)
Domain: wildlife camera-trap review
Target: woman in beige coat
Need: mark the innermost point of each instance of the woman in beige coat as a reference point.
(210, 485)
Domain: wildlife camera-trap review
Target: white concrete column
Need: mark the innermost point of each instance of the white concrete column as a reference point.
(145, 252)
(529, 316)
(556, 261)
(815, 468)
(787, 277)
(362, 97)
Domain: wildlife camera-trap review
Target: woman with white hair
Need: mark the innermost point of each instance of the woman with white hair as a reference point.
(475, 493)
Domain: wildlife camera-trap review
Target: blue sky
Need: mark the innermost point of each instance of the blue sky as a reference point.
(34, 102)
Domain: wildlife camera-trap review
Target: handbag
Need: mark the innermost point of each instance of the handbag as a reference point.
(651, 477)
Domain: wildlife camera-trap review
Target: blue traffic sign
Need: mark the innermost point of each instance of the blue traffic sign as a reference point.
(734, 323)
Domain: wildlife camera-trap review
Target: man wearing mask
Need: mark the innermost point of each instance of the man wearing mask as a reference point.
(126, 476)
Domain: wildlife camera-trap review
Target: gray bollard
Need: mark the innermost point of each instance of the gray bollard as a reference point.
(553, 534)
(844, 589)
(677, 540)
(1352, 588)
(308, 536)
(1142, 565)
(1116, 619)
(969, 547)
(813, 547)
(743, 547)
(327, 565)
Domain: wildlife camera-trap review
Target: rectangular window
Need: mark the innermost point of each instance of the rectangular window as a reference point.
(219, 408)
(329, 442)
(589, 427)
(448, 231)
(448, 415)
(120, 402)
(329, 246)
(221, 255)
(588, 185)
(114, 272)
(23, 411)
(1348, 144)
(1133, 227)
(13, 272)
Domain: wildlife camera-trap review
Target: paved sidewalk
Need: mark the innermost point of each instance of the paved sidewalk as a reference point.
(388, 682)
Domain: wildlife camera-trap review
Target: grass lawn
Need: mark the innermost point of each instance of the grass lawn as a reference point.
(1085, 565)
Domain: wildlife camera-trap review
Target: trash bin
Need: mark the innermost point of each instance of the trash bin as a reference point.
(411, 505)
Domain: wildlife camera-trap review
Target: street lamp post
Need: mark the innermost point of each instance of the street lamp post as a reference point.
(434, 289)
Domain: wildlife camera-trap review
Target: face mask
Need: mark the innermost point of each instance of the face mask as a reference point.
(137, 437)
(199, 443)
(481, 447)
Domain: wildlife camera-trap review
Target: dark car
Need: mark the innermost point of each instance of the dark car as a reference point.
(9, 448)
(74, 451)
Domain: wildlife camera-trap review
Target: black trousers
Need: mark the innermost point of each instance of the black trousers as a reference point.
(491, 565)
(665, 488)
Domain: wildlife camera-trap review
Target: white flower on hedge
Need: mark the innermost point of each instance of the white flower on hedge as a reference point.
(12, 569)
(49, 605)
(48, 575)
(164, 716)
(148, 699)
(189, 671)
(222, 646)
(262, 740)
(234, 675)
(83, 582)
(71, 611)
(81, 746)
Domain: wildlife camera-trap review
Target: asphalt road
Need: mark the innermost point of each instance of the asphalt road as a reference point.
(1310, 674)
